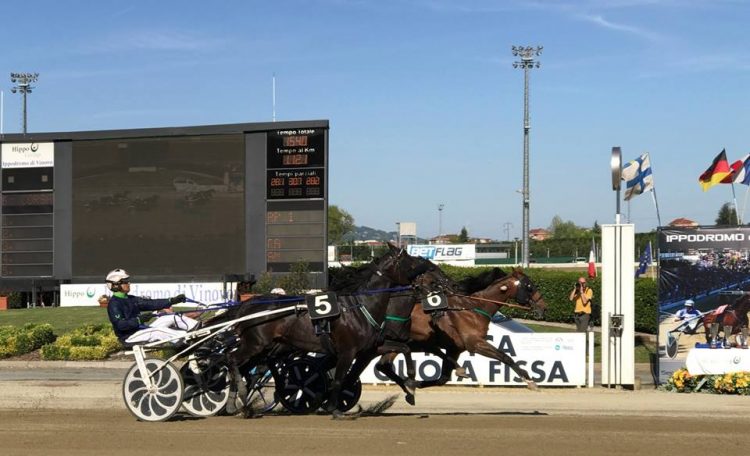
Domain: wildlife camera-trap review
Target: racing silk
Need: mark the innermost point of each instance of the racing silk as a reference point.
(686, 313)
(123, 311)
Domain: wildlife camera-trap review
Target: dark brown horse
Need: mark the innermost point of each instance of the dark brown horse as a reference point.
(375, 290)
(463, 326)
(734, 315)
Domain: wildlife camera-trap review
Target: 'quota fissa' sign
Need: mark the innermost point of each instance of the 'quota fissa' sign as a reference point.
(551, 359)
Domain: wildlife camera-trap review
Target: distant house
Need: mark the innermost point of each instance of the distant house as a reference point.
(683, 223)
(539, 234)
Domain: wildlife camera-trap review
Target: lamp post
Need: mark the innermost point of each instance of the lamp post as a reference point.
(527, 62)
(506, 228)
(23, 86)
(440, 220)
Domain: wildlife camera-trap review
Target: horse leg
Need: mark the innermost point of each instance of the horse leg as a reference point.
(485, 349)
(408, 385)
(449, 363)
(343, 363)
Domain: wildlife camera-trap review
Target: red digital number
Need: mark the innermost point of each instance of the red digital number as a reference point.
(292, 160)
(312, 181)
(277, 182)
(295, 141)
(294, 181)
(274, 243)
(273, 217)
(274, 256)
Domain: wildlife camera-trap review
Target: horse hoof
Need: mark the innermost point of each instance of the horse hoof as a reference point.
(461, 372)
(411, 387)
(531, 384)
(410, 399)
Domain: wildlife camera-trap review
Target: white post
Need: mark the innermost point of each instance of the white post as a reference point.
(590, 336)
(618, 296)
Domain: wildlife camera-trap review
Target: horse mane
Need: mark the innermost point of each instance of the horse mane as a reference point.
(472, 284)
(348, 279)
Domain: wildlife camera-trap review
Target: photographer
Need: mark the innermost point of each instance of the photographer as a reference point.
(582, 295)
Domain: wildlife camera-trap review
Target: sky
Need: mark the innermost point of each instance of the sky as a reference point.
(425, 107)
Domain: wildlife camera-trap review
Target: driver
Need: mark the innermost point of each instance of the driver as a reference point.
(124, 313)
(688, 314)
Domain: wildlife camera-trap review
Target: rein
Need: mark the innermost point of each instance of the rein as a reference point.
(500, 303)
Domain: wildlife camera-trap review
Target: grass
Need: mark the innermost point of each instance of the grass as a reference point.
(643, 352)
(64, 319)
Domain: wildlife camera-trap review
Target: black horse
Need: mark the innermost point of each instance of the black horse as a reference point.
(366, 297)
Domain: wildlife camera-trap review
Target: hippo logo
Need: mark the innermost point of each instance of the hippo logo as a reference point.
(34, 147)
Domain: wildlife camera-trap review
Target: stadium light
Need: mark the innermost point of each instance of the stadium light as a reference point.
(23, 86)
(527, 62)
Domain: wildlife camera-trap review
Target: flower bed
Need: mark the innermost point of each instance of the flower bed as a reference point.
(733, 383)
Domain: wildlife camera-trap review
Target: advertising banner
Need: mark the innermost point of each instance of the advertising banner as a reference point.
(206, 293)
(28, 155)
(551, 359)
(443, 252)
(702, 274)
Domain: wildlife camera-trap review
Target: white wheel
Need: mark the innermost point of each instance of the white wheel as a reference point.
(159, 402)
(207, 393)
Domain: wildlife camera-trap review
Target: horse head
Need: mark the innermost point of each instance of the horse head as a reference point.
(519, 287)
(405, 269)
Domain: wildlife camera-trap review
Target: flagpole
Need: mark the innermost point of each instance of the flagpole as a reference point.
(653, 190)
(744, 205)
(736, 210)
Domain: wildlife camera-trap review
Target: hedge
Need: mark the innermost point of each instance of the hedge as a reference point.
(555, 286)
(16, 341)
(90, 342)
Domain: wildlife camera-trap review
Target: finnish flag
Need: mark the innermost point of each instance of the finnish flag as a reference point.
(637, 176)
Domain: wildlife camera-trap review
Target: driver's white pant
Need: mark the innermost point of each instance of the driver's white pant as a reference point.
(163, 328)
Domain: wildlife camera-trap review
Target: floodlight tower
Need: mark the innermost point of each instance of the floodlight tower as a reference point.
(527, 62)
(23, 86)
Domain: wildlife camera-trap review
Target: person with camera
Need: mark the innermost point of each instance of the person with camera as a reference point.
(582, 295)
(129, 325)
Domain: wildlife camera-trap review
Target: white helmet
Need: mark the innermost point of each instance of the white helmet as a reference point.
(278, 291)
(115, 277)
(689, 303)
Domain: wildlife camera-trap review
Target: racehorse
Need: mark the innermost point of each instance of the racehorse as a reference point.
(365, 299)
(463, 326)
(734, 315)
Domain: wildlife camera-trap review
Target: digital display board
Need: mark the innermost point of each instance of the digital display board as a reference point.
(295, 192)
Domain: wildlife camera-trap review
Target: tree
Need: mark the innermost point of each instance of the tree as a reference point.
(464, 236)
(561, 229)
(340, 223)
(596, 229)
(727, 215)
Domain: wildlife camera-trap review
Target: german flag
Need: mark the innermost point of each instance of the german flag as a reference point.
(715, 173)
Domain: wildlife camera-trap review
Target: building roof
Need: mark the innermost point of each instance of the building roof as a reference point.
(681, 221)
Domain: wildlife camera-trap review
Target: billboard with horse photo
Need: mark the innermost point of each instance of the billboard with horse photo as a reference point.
(704, 297)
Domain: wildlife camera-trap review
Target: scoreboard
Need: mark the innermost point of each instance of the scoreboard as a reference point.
(296, 199)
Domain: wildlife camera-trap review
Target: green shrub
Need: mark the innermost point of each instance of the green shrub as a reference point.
(16, 341)
(555, 286)
(90, 342)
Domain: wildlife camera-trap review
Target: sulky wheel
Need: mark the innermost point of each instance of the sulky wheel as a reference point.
(206, 393)
(158, 402)
(261, 390)
(671, 346)
(302, 386)
(349, 396)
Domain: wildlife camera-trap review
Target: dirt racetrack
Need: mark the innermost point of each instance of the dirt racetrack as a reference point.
(116, 432)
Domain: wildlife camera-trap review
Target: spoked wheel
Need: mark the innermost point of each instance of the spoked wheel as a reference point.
(671, 346)
(158, 402)
(302, 386)
(349, 396)
(261, 390)
(206, 393)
